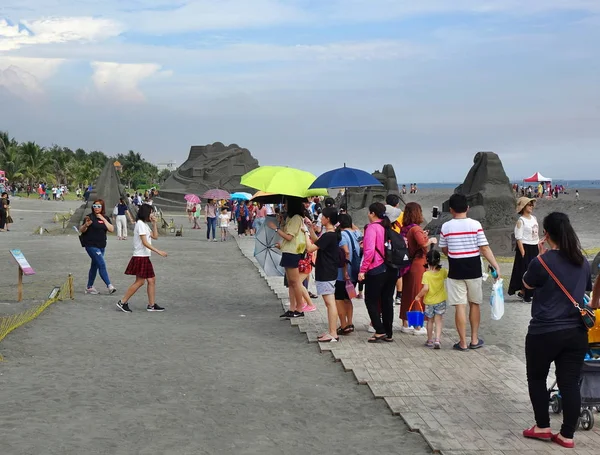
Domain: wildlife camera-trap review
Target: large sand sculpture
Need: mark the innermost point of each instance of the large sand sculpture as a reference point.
(107, 187)
(360, 198)
(491, 201)
(207, 167)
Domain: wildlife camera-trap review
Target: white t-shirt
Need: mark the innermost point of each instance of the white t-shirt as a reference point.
(224, 220)
(269, 208)
(528, 231)
(139, 249)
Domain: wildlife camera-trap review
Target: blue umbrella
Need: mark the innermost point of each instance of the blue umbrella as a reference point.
(345, 177)
(241, 196)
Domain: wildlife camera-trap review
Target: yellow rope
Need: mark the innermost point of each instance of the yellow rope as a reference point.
(10, 323)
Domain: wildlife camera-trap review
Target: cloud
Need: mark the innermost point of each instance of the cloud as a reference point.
(24, 77)
(120, 81)
(378, 10)
(56, 30)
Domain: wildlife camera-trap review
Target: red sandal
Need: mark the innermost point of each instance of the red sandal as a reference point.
(532, 434)
(561, 442)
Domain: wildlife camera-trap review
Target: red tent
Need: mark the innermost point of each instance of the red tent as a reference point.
(537, 177)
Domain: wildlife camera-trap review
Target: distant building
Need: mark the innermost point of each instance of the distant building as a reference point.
(170, 165)
(118, 166)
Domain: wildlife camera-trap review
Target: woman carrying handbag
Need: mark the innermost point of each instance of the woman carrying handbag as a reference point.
(557, 332)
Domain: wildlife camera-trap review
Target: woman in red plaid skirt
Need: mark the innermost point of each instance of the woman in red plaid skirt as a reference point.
(140, 264)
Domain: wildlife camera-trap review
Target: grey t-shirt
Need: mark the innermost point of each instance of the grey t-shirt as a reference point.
(551, 309)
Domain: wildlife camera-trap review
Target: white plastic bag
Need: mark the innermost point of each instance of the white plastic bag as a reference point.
(497, 300)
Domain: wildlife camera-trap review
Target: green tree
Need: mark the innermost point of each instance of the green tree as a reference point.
(36, 161)
(163, 175)
(11, 163)
(85, 172)
(62, 164)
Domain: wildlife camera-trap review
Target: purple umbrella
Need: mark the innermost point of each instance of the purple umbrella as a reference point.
(216, 194)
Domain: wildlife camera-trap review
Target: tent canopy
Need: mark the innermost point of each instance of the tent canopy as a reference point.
(537, 177)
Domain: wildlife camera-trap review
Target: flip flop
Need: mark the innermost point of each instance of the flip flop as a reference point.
(376, 339)
(328, 340)
(476, 346)
(458, 348)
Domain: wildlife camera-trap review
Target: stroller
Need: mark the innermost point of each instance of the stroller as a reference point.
(590, 390)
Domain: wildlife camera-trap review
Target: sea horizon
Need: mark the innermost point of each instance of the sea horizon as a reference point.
(575, 184)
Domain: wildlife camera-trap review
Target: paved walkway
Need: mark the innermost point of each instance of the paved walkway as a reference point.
(473, 402)
(217, 373)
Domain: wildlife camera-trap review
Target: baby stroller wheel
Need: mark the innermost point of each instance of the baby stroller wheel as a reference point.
(556, 404)
(586, 419)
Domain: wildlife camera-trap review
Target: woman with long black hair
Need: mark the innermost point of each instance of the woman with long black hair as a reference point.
(556, 331)
(380, 282)
(293, 247)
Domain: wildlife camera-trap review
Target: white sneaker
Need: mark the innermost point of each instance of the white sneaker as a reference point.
(92, 291)
(370, 329)
(111, 289)
(407, 329)
(421, 331)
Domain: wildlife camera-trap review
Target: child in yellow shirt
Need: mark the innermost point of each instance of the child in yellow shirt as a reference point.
(433, 295)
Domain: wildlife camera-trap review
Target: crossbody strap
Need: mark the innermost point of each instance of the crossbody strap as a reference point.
(560, 285)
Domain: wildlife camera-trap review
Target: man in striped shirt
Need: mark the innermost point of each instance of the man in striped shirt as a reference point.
(462, 239)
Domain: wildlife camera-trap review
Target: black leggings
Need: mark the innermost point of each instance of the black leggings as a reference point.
(566, 348)
(379, 289)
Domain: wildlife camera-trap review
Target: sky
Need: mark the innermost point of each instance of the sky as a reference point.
(313, 84)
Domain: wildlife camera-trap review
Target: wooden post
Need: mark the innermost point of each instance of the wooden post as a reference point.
(71, 290)
(20, 286)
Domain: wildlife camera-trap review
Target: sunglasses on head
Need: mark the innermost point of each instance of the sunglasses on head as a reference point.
(97, 206)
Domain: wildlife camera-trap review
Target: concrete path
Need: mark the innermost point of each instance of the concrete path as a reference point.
(473, 402)
(217, 373)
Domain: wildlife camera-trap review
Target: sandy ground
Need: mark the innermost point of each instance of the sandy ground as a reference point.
(217, 373)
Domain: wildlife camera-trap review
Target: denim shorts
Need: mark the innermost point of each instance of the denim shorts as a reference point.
(432, 310)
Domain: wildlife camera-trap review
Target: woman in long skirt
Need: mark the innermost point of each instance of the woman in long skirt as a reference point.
(527, 235)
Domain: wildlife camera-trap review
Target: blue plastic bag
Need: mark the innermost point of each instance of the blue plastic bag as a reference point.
(497, 300)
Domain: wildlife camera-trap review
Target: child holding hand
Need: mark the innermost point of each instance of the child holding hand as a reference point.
(433, 295)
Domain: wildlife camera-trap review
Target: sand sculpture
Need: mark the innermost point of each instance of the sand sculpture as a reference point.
(491, 201)
(108, 188)
(360, 198)
(207, 167)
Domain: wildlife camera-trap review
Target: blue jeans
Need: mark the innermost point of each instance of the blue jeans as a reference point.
(98, 265)
(211, 223)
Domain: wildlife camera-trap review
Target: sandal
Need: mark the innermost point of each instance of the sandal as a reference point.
(350, 328)
(344, 331)
(388, 339)
(532, 434)
(376, 339)
(329, 339)
(313, 296)
(437, 344)
(458, 347)
(429, 343)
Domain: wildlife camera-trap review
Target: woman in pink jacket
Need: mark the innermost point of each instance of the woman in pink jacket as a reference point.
(380, 281)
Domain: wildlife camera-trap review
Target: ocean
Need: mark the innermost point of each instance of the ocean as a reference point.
(574, 184)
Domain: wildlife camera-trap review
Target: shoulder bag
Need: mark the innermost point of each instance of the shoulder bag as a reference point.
(587, 314)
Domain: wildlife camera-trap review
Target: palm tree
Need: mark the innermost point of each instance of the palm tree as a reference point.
(86, 172)
(62, 164)
(133, 166)
(11, 163)
(36, 161)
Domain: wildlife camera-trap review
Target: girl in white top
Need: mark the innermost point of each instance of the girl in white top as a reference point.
(140, 265)
(527, 239)
(224, 223)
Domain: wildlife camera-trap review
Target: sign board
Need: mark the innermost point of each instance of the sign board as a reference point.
(23, 264)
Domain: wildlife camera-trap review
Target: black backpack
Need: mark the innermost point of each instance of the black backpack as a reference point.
(396, 252)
